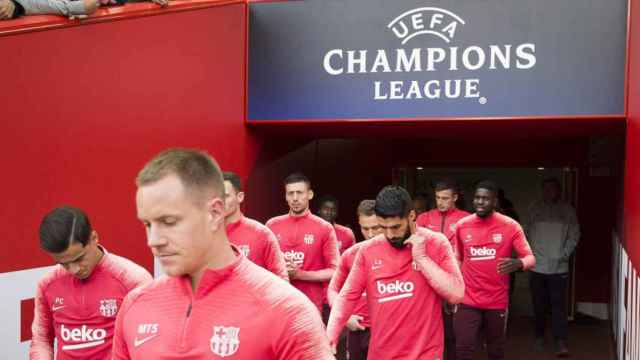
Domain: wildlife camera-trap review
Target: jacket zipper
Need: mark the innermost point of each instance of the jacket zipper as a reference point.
(185, 326)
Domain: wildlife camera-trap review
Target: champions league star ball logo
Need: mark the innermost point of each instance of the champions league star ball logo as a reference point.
(428, 70)
(225, 340)
(427, 20)
(108, 307)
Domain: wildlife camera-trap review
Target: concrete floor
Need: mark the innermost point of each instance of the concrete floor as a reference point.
(588, 339)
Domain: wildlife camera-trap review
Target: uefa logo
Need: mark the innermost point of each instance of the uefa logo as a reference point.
(427, 37)
(426, 20)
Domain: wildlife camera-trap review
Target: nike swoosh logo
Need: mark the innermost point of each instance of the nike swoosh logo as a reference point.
(137, 342)
(56, 308)
(376, 267)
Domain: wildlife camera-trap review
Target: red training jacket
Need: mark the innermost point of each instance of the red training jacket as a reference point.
(81, 314)
(442, 222)
(481, 243)
(258, 244)
(239, 312)
(309, 242)
(404, 296)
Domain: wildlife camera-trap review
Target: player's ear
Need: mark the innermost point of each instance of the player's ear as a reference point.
(412, 215)
(94, 238)
(310, 194)
(216, 210)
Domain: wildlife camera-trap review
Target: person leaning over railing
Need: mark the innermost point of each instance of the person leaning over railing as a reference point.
(11, 9)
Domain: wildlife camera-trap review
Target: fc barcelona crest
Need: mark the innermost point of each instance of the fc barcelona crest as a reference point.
(308, 239)
(244, 249)
(225, 340)
(108, 307)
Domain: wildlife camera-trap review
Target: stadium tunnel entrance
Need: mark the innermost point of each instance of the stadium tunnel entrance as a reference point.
(588, 158)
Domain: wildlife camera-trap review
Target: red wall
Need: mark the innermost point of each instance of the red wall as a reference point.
(632, 168)
(85, 106)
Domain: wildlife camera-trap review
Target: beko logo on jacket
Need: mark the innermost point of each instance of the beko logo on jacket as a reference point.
(394, 290)
(87, 337)
(483, 253)
(296, 257)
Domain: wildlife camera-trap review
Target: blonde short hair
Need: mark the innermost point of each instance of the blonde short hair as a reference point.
(197, 170)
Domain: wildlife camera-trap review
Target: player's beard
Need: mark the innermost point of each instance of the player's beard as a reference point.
(398, 242)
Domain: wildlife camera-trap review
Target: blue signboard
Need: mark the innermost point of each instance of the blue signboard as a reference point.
(390, 59)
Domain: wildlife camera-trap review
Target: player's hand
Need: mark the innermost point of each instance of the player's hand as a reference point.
(7, 7)
(292, 270)
(449, 308)
(354, 323)
(418, 246)
(162, 3)
(509, 265)
(90, 6)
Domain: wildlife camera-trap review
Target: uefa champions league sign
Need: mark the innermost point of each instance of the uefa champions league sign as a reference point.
(372, 59)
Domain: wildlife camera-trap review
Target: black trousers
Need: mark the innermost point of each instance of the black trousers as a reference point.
(468, 321)
(550, 289)
(449, 336)
(358, 344)
(341, 347)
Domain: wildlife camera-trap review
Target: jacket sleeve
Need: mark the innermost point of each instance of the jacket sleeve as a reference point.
(338, 279)
(351, 240)
(458, 249)
(136, 276)
(527, 223)
(345, 302)
(440, 268)
(330, 254)
(573, 232)
(120, 351)
(301, 335)
(53, 7)
(522, 248)
(330, 249)
(273, 257)
(422, 220)
(42, 328)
